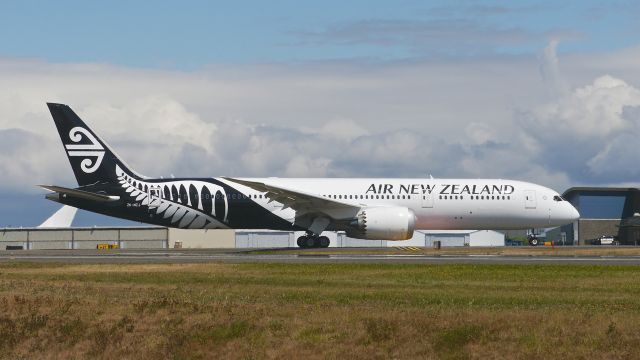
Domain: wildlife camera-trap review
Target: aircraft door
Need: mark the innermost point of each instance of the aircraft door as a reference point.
(529, 199)
(427, 200)
(154, 193)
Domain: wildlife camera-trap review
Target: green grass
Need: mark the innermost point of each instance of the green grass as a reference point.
(360, 311)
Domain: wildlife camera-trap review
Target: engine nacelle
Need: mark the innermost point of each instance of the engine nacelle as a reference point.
(383, 223)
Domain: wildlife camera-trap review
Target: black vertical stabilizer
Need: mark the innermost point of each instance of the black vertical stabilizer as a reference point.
(92, 160)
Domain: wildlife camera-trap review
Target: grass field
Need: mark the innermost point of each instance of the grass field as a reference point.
(254, 311)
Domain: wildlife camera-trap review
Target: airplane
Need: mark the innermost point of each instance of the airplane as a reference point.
(375, 209)
(63, 218)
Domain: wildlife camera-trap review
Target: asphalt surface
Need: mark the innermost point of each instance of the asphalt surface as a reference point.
(249, 256)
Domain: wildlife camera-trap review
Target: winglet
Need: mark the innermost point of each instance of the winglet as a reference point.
(63, 218)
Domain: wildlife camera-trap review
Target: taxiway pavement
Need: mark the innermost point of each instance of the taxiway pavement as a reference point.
(250, 256)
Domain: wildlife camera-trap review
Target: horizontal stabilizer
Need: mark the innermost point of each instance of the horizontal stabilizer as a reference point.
(79, 193)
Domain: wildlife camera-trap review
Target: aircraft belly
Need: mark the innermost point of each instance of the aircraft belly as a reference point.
(445, 217)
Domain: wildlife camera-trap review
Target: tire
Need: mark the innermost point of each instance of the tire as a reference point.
(310, 242)
(302, 241)
(323, 242)
(534, 242)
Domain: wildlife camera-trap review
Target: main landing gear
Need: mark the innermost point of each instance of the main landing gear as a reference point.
(313, 241)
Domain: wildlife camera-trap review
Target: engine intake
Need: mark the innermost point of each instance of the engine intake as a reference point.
(383, 223)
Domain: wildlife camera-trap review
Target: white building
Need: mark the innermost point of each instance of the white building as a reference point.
(453, 238)
(421, 238)
(162, 238)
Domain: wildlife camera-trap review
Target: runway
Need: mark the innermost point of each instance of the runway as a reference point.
(250, 256)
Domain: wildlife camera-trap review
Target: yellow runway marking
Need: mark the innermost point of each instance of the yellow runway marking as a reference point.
(408, 248)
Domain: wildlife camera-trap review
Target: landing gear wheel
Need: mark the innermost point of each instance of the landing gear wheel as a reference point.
(310, 242)
(323, 242)
(533, 241)
(302, 241)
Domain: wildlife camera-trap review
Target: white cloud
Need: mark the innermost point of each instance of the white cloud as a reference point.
(345, 129)
(487, 118)
(302, 166)
(28, 159)
(588, 133)
(591, 111)
(550, 70)
(479, 133)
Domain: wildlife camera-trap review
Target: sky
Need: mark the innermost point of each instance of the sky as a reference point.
(545, 92)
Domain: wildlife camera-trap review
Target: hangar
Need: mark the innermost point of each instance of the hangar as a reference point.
(426, 238)
(421, 238)
(604, 211)
(169, 238)
(123, 237)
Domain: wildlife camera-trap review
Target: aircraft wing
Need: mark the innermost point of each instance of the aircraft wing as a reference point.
(306, 205)
(63, 218)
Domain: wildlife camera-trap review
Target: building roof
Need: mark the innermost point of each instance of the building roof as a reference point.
(429, 232)
(91, 228)
(598, 189)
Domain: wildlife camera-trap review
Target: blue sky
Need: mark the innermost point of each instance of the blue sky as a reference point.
(192, 34)
(541, 91)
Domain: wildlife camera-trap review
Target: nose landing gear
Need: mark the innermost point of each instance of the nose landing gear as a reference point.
(532, 237)
(313, 241)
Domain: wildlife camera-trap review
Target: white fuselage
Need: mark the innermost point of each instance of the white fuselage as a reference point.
(442, 204)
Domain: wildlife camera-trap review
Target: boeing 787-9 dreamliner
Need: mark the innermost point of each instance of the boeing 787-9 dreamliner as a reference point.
(388, 209)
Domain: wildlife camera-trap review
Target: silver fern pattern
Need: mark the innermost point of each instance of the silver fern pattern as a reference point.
(194, 208)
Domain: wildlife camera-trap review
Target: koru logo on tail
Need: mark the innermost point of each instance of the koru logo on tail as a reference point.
(92, 153)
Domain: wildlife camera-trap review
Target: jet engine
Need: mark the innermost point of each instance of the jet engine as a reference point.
(383, 223)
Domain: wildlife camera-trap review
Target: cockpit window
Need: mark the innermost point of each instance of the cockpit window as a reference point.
(558, 198)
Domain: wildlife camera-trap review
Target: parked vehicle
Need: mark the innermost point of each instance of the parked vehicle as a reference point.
(606, 240)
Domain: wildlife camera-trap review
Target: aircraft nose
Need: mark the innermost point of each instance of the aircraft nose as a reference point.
(572, 212)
